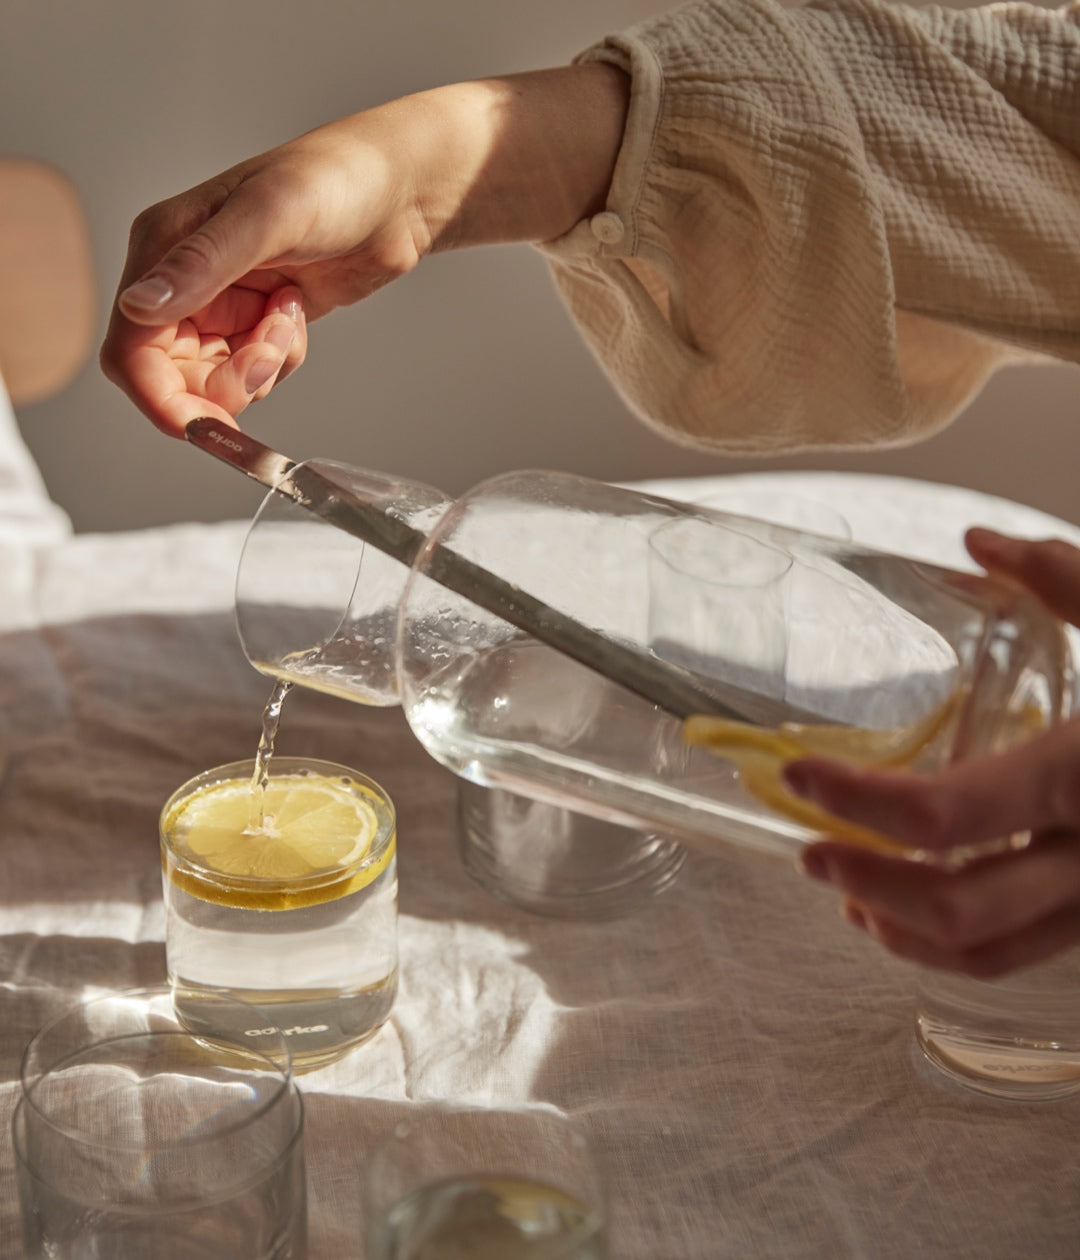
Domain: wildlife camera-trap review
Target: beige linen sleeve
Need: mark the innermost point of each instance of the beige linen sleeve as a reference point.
(828, 225)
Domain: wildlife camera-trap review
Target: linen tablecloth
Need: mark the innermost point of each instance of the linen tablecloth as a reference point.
(743, 1061)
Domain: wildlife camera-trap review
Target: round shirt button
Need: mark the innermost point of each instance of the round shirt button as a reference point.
(607, 227)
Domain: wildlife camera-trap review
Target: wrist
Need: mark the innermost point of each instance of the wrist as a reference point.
(521, 158)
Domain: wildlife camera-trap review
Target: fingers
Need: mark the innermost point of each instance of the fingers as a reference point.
(287, 302)
(1049, 568)
(204, 367)
(258, 364)
(1000, 912)
(993, 958)
(234, 233)
(1033, 787)
(184, 259)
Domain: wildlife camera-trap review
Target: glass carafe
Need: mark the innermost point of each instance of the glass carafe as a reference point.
(733, 616)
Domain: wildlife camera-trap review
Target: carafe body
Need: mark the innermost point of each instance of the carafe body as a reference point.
(761, 621)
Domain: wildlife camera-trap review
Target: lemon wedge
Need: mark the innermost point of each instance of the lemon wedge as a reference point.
(893, 747)
(760, 754)
(315, 835)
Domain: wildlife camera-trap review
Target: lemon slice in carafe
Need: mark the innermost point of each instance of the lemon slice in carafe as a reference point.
(760, 754)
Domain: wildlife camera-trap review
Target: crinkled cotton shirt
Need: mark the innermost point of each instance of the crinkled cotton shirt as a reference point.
(828, 225)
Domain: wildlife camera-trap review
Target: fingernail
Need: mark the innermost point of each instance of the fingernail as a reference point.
(281, 336)
(294, 308)
(259, 373)
(149, 294)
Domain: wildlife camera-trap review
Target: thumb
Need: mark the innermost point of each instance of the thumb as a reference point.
(200, 266)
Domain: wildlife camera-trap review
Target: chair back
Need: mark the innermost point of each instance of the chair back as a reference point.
(47, 298)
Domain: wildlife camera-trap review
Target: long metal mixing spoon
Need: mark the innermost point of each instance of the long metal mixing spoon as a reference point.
(660, 683)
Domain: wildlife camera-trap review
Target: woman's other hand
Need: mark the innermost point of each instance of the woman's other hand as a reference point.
(998, 912)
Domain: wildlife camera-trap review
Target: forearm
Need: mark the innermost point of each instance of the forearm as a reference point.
(521, 158)
(249, 257)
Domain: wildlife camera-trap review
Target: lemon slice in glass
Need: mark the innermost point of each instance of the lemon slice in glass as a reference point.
(315, 835)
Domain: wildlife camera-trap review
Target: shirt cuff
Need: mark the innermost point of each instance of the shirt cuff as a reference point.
(616, 231)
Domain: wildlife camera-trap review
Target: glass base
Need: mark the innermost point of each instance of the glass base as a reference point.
(553, 861)
(1016, 1038)
(1016, 1069)
(318, 1027)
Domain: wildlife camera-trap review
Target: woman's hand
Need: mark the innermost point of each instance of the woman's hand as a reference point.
(221, 280)
(998, 912)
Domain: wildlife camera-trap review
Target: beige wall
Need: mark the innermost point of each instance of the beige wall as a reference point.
(467, 367)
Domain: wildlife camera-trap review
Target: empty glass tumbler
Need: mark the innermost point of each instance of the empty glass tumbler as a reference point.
(500, 627)
(139, 1135)
(551, 860)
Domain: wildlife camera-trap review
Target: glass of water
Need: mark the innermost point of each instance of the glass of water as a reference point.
(140, 1136)
(1014, 1037)
(484, 1185)
(284, 894)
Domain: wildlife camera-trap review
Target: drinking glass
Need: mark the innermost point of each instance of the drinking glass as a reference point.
(139, 1134)
(717, 604)
(317, 951)
(484, 1185)
(795, 512)
(1014, 1037)
(551, 860)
